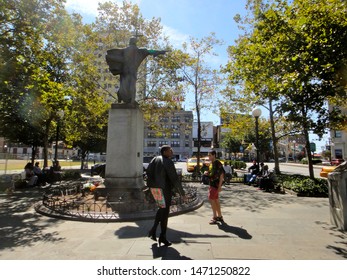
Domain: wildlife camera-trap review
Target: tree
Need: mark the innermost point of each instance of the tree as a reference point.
(202, 79)
(23, 23)
(293, 56)
(157, 85)
(242, 133)
(46, 69)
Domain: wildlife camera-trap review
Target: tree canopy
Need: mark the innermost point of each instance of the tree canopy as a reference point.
(293, 57)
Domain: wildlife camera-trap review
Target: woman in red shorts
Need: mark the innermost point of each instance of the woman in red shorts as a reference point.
(216, 174)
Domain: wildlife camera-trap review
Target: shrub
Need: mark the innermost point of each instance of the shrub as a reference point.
(70, 175)
(238, 164)
(304, 186)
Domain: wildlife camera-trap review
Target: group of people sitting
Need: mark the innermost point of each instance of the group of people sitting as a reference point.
(35, 176)
(260, 176)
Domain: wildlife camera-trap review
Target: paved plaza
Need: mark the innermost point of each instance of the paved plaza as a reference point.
(258, 225)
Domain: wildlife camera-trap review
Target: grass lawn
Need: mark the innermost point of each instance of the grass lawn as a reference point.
(16, 164)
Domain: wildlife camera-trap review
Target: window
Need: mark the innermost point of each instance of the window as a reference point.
(175, 143)
(186, 144)
(150, 135)
(175, 135)
(338, 153)
(187, 119)
(175, 119)
(162, 143)
(338, 134)
(151, 144)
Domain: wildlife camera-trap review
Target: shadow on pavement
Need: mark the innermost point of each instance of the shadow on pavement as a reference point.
(166, 253)
(340, 246)
(19, 224)
(240, 232)
(254, 200)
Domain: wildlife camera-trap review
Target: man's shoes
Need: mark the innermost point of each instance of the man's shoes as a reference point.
(162, 239)
(151, 235)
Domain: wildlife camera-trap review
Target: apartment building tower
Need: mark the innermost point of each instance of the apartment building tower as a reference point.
(174, 129)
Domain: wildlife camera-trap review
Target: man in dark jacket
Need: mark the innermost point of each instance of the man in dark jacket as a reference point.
(163, 181)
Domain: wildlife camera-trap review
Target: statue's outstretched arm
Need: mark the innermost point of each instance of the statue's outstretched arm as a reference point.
(156, 53)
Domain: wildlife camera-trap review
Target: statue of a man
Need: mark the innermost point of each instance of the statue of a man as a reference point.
(125, 62)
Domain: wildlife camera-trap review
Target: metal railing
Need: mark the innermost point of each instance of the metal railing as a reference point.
(70, 200)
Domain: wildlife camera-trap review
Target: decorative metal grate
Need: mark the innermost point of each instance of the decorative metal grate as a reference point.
(71, 200)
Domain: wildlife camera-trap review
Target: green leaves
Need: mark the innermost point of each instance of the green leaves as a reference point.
(293, 54)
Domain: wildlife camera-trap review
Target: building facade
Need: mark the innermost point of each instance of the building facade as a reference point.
(338, 144)
(174, 129)
(207, 138)
(338, 141)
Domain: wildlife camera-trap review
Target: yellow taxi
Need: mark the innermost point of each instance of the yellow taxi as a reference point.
(192, 162)
(326, 170)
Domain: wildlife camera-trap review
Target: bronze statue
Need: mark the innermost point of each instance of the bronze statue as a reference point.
(125, 62)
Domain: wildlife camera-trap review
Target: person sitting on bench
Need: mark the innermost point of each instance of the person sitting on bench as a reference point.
(30, 175)
(255, 171)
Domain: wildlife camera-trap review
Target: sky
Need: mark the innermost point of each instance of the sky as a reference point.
(182, 19)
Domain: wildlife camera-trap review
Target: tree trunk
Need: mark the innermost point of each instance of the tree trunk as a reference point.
(33, 154)
(308, 147)
(274, 138)
(199, 137)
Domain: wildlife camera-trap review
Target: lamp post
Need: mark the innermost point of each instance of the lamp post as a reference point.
(60, 115)
(331, 145)
(256, 112)
(294, 157)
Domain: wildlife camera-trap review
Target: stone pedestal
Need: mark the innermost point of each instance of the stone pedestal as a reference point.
(337, 182)
(124, 166)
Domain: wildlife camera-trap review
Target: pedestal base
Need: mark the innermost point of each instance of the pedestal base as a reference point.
(124, 160)
(124, 187)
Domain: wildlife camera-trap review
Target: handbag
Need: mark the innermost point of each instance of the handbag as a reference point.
(158, 196)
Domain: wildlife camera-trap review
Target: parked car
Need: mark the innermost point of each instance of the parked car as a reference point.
(192, 163)
(98, 169)
(326, 170)
(337, 161)
(326, 162)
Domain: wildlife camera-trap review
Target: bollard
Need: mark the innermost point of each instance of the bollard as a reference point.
(337, 183)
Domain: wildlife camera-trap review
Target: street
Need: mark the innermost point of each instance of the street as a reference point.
(290, 168)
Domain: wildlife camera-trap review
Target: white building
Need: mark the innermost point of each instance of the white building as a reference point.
(338, 141)
(207, 136)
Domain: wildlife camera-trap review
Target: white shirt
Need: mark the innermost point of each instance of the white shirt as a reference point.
(227, 169)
